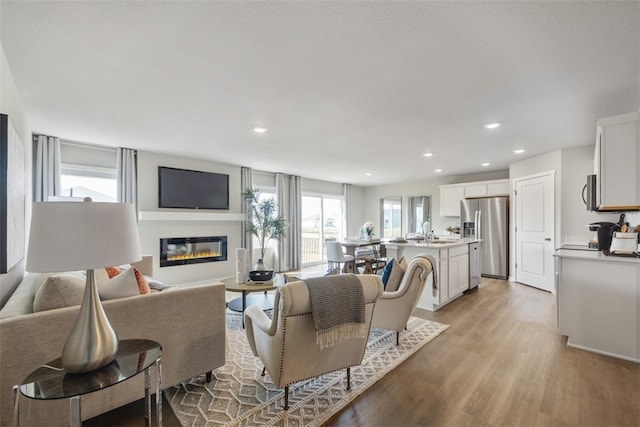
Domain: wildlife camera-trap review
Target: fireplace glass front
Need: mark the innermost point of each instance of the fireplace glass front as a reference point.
(192, 250)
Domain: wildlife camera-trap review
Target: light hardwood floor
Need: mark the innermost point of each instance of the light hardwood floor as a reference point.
(501, 362)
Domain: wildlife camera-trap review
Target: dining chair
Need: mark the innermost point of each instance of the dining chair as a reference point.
(336, 256)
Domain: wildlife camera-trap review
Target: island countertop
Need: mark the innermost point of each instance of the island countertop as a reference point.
(441, 243)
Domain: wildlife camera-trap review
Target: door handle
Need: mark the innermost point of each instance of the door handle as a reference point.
(547, 239)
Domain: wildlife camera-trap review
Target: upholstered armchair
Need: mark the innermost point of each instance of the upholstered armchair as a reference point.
(288, 345)
(394, 308)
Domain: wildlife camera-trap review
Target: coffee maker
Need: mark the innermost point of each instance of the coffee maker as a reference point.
(604, 233)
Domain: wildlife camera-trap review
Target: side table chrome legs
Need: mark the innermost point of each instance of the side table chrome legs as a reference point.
(147, 397)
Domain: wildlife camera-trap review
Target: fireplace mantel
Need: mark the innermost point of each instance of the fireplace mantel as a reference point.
(189, 216)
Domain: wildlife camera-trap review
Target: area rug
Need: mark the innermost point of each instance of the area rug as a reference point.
(239, 396)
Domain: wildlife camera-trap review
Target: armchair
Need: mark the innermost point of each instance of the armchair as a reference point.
(286, 344)
(394, 308)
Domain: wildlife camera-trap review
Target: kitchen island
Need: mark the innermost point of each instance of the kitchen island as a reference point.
(452, 268)
(599, 302)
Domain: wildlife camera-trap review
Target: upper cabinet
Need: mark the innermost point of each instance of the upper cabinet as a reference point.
(452, 194)
(617, 161)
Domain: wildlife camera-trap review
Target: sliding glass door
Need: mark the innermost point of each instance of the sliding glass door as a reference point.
(321, 220)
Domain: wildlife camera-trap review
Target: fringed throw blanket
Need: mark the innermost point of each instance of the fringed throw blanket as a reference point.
(337, 303)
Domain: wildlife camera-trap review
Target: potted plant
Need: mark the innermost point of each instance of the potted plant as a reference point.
(264, 223)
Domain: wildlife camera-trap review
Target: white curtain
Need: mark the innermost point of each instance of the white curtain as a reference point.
(246, 181)
(346, 209)
(47, 176)
(289, 194)
(127, 176)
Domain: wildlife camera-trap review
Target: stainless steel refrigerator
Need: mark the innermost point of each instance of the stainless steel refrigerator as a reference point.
(488, 219)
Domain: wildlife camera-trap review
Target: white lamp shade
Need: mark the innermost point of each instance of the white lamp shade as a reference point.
(68, 236)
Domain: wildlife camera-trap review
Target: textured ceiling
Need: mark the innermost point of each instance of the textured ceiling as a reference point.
(344, 88)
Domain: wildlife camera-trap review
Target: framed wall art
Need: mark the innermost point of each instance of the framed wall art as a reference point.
(12, 197)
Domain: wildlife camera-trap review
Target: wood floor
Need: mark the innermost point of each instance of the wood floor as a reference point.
(500, 363)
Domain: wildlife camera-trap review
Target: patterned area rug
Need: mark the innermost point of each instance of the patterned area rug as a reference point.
(239, 396)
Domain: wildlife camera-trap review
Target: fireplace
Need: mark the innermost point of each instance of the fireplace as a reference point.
(192, 250)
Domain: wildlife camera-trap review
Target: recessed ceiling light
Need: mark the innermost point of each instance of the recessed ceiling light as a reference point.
(259, 130)
(368, 173)
(486, 164)
(519, 151)
(492, 125)
(438, 170)
(428, 154)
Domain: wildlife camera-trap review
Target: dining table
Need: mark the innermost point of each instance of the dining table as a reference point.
(370, 261)
(351, 245)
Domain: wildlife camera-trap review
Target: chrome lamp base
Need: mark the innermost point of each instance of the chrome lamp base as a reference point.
(93, 343)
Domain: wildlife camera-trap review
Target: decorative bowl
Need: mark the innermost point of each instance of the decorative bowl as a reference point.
(260, 275)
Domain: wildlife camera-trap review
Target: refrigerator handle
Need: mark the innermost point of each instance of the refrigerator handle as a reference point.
(478, 225)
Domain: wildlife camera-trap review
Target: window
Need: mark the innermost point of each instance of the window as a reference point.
(321, 220)
(391, 217)
(88, 171)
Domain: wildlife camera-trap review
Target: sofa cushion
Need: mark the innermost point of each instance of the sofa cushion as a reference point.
(59, 290)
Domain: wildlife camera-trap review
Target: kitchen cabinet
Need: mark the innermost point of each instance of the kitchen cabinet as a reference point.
(599, 302)
(452, 270)
(452, 194)
(458, 270)
(617, 161)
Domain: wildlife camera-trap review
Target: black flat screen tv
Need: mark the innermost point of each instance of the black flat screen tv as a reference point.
(188, 189)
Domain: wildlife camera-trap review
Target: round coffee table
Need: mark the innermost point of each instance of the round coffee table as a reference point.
(265, 302)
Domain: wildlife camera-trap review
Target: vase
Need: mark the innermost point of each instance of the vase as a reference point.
(368, 238)
(260, 266)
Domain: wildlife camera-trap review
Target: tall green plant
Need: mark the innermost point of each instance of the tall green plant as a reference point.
(263, 220)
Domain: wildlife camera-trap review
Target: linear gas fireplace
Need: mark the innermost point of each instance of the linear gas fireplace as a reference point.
(192, 250)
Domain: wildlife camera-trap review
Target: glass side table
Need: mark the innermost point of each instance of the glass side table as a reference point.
(51, 381)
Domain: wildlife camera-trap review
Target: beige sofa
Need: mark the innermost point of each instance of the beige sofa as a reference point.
(188, 322)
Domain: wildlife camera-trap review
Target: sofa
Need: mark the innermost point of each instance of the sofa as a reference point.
(189, 323)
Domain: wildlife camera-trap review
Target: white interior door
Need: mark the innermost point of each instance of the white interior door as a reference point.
(535, 210)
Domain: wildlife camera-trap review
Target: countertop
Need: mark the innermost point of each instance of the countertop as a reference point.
(594, 255)
(442, 243)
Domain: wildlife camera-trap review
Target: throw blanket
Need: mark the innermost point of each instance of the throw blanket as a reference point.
(433, 262)
(337, 305)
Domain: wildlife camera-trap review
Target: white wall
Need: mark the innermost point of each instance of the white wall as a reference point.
(370, 210)
(577, 163)
(151, 231)
(11, 105)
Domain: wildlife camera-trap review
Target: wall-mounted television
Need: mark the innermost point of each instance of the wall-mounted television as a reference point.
(189, 189)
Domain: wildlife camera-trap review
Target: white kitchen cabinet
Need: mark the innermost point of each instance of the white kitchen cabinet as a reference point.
(475, 190)
(499, 187)
(452, 194)
(617, 161)
(450, 197)
(443, 278)
(599, 303)
(458, 270)
(452, 270)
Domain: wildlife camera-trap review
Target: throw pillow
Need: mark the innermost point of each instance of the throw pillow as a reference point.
(143, 285)
(112, 272)
(122, 285)
(395, 278)
(403, 262)
(386, 272)
(59, 290)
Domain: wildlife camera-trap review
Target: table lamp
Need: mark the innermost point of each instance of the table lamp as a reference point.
(67, 236)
